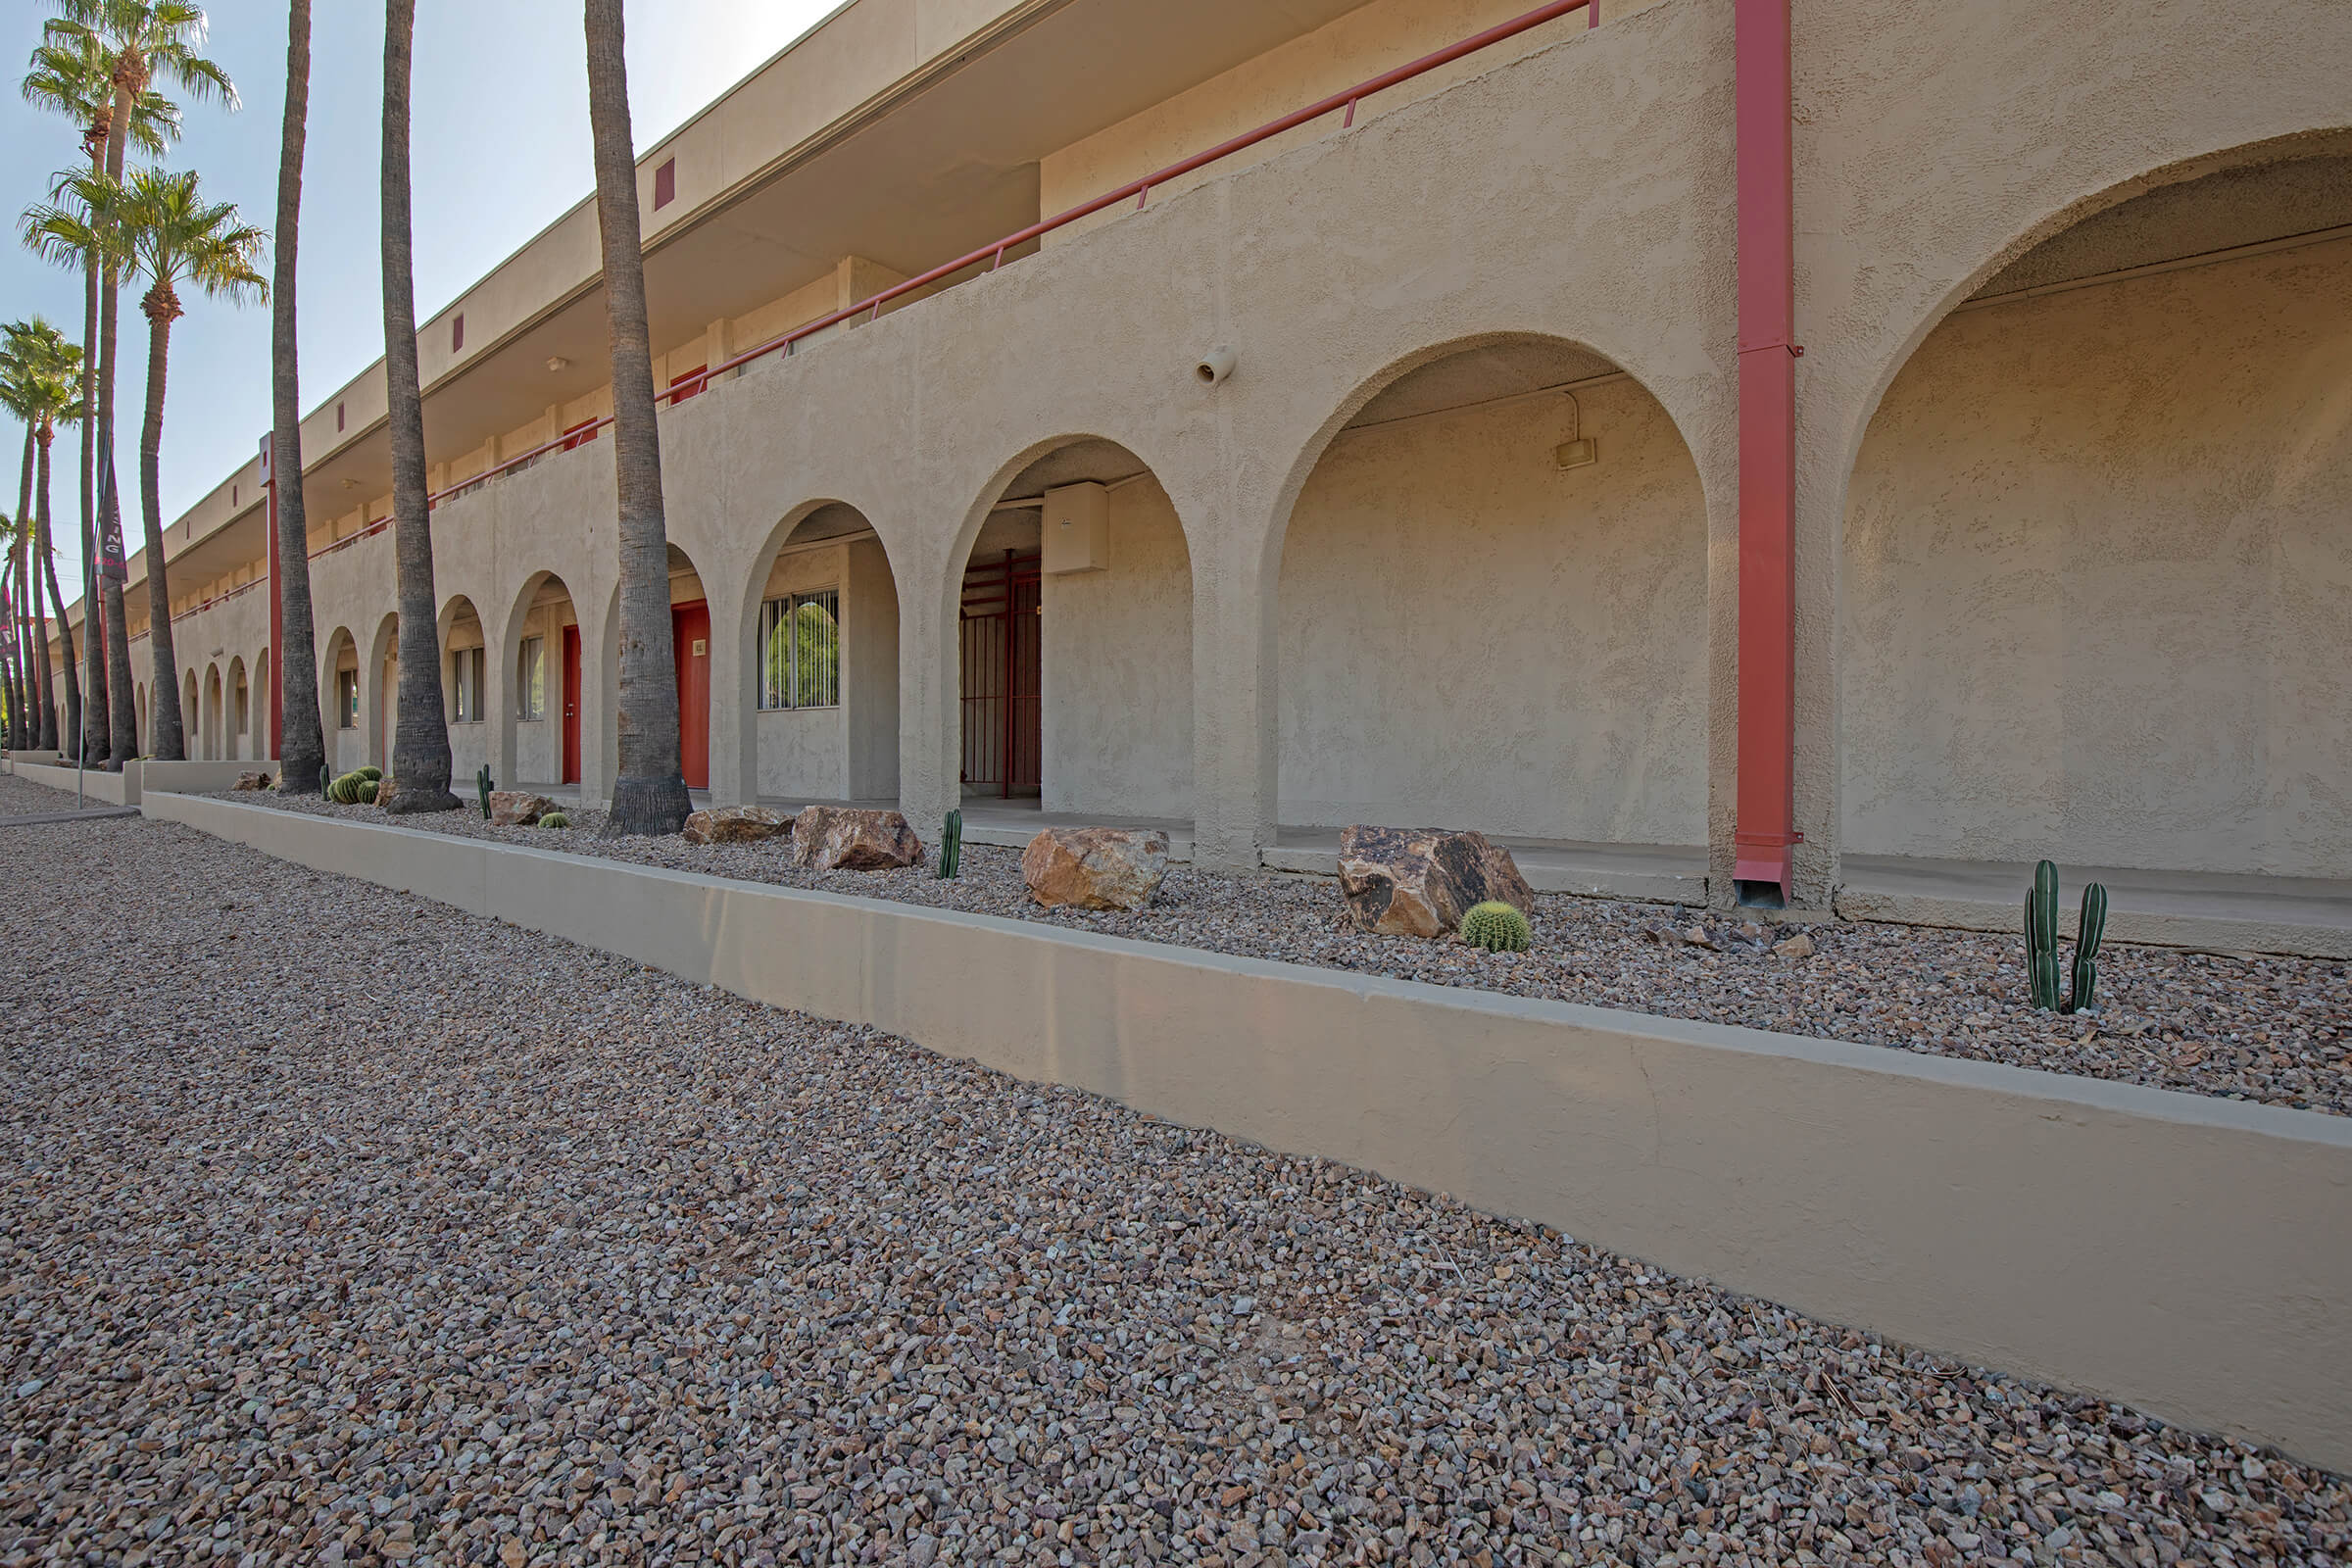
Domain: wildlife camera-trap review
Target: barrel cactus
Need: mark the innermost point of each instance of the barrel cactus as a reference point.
(554, 820)
(344, 791)
(1498, 927)
(367, 792)
(372, 773)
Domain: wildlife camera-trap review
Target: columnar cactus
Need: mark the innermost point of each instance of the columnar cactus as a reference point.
(483, 784)
(2087, 948)
(1498, 927)
(2042, 944)
(950, 846)
(2041, 937)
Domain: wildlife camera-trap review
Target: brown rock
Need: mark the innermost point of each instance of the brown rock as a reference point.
(252, 781)
(519, 808)
(1095, 867)
(1417, 882)
(736, 824)
(842, 837)
(1799, 946)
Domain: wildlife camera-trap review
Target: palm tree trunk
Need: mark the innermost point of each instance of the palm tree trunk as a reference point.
(302, 747)
(10, 664)
(57, 601)
(421, 761)
(166, 741)
(93, 620)
(124, 707)
(31, 660)
(650, 793)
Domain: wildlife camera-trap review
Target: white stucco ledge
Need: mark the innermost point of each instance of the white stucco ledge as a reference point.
(138, 776)
(2190, 1256)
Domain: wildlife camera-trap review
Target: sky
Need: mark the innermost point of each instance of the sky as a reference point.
(499, 149)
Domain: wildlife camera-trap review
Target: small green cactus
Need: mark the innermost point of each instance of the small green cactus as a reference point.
(950, 846)
(344, 791)
(1498, 927)
(366, 792)
(2042, 944)
(372, 773)
(2086, 950)
(555, 819)
(483, 784)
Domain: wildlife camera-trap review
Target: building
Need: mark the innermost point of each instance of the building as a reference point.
(2053, 556)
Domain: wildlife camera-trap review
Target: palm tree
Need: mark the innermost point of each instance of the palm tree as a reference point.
(159, 226)
(27, 634)
(302, 746)
(650, 795)
(74, 75)
(12, 664)
(420, 763)
(143, 42)
(39, 382)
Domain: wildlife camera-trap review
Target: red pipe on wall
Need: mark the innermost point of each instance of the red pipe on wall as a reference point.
(1765, 830)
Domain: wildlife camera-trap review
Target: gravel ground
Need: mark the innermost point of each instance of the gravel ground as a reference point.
(2272, 1029)
(459, 1244)
(20, 797)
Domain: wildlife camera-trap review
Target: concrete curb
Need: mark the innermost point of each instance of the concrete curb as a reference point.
(2190, 1256)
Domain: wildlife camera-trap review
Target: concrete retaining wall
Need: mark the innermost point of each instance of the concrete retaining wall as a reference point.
(2188, 1254)
(101, 787)
(141, 776)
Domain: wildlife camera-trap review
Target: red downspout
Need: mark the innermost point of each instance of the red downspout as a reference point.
(1766, 824)
(278, 628)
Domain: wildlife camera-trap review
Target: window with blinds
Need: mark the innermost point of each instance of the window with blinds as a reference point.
(799, 644)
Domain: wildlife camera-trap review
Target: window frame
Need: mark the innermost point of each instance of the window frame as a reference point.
(531, 680)
(467, 693)
(775, 613)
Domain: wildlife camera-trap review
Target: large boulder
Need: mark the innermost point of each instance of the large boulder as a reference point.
(517, 807)
(1417, 882)
(1095, 867)
(843, 838)
(736, 824)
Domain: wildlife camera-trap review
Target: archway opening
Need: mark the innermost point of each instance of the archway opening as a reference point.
(1493, 614)
(239, 720)
(381, 724)
(340, 693)
(191, 716)
(258, 681)
(2096, 586)
(465, 687)
(1075, 642)
(540, 739)
(690, 653)
(821, 675)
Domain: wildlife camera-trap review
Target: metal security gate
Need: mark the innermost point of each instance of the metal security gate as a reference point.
(1003, 687)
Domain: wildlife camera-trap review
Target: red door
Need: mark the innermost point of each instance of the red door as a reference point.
(571, 705)
(690, 645)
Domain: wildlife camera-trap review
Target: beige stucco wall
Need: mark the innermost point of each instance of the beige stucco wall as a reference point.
(2098, 580)
(1472, 636)
(1116, 653)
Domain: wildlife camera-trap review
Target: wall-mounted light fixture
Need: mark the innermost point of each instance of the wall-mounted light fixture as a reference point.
(1579, 451)
(557, 364)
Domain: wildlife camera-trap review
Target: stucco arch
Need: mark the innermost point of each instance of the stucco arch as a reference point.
(208, 716)
(861, 761)
(379, 692)
(2055, 210)
(1376, 378)
(1489, 600)
(237, 710)
(688, 586)
(2091, 540)
(1114, 704)
(542, 607)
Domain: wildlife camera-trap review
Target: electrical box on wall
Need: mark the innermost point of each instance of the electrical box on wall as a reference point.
(1077, 529)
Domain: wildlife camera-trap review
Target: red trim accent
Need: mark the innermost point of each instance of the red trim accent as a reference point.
(1767, 767)
(665, 183)
(692, 384)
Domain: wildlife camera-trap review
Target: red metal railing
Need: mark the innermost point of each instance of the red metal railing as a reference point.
(1141, 189)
